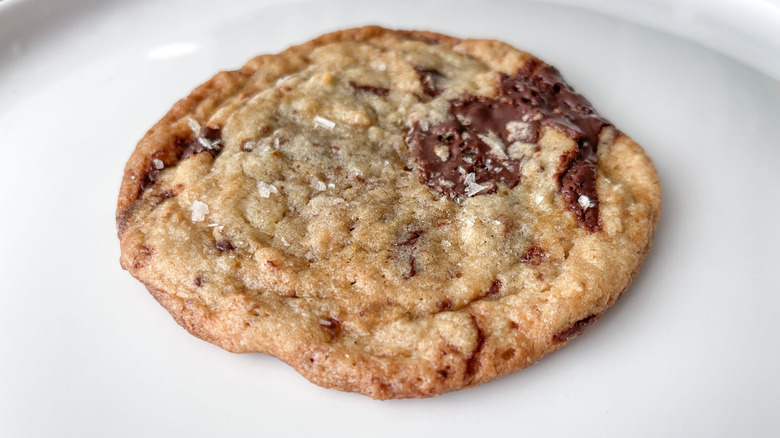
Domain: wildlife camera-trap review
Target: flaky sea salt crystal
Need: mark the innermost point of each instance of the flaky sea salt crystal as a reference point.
(215, 224)
(585, 202)
(309, 255)
(325, 322)
(205, 142)
(194, 126)
(539, 199)
(322, 122)
(497, 147)
(248, 146)
(446, 243)
(285, 242)
(331, 186)
(266, 189)
(199, 211)
(158, 164)
(472, 188)
(319, 185)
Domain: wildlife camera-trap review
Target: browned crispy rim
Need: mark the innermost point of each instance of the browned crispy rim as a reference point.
(369, 378)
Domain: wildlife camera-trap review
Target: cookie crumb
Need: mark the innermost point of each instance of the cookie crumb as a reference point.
(199, 211)
(519, 131)
(322, 122)
(443, 152)
(266, 189)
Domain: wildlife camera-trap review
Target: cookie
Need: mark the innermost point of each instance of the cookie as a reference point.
(394, 213)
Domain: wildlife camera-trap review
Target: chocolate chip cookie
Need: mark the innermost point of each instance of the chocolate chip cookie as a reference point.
(394, 213)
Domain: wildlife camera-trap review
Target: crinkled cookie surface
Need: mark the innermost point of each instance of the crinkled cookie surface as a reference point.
(393, 213)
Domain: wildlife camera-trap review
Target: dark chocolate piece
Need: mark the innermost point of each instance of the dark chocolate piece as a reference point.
(428, 77)
(577, 328)
(533, 255)
(331, 327)
(379, 91)
(479, 130)
(209, 140)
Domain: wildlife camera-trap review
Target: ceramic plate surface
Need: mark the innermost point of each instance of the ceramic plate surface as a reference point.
(690, 350)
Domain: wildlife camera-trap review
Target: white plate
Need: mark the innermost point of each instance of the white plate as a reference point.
(690, 350)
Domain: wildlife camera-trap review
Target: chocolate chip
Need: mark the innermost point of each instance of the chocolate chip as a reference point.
(412, 267)
(533, 255)
(576, 329)
(429, 77)
(495, 288)
(379, 91)
(443, 305)
(412, 239)
(472, 363)
(209, 140)
(224, 245)
(331, 327)
(198, 282)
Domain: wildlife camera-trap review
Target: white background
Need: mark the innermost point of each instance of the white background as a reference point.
(690, 350)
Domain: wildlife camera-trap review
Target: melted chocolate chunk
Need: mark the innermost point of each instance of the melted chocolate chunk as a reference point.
(379, 91)
(479, 130)
(428, 77)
